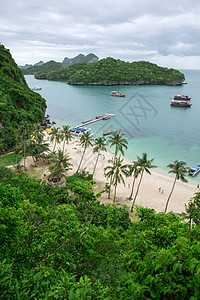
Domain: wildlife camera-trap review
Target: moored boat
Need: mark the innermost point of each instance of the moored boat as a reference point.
(36, 88)
(117, 94)
(194, 170)
(182, 97)
(108, 132)
(78, 130)
(181, 103)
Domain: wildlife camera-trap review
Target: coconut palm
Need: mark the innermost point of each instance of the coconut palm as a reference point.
(67, 135)
(133, 171)
(117, 139)
(25, 131)
(143, 166)
(60, 164)
(116, 171)
(99, 145)
(85, 141)
(55, 136)
(36, 147)
(180, 171)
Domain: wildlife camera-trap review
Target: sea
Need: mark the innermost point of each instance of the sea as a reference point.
(144, 115)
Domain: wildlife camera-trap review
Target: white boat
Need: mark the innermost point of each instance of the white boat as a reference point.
(194, 170)
(117, 94)
(36, 88)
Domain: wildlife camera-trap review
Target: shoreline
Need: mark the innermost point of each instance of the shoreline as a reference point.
(148, 196)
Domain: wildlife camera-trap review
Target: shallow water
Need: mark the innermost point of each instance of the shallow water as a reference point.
(151, 125)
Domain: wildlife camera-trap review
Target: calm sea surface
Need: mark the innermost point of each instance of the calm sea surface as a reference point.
(151, 125)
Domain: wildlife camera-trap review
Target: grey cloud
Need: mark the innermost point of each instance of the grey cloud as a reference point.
(129, 30)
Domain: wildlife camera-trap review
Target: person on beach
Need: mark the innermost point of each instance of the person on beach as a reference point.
(197, 185)
(159, 189)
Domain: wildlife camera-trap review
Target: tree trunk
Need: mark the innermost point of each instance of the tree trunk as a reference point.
(170, 195)
(111, 175)
(133, 184)
(24, 154)
(54, 146)
(137, 191)
(114, 193)
(63, 145)
(81, 160)
(96, 163)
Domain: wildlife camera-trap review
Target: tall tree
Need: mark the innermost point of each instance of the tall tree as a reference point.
(178, 168)
(116, 171)
(119, 142)
(60, 164)
(144, 165)
(25, 131)
(99, 145)
(67, 135)
(55, 136)
(86, 140)
(133, 171)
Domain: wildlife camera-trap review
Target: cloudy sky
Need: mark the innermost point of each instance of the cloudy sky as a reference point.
(166, 32)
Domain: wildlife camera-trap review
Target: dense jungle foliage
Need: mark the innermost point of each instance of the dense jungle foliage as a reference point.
(17, 101)
(110, 71)
(61, 243)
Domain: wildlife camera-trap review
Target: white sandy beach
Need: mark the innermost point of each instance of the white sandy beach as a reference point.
(149, 195)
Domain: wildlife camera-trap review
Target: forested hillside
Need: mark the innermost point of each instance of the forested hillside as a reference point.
(43, 69)
(17, 101)
(61, 243)
(110, 71)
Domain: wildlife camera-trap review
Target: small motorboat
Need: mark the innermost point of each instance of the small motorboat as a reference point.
(194, 170)
(107, 133)
(117, 94)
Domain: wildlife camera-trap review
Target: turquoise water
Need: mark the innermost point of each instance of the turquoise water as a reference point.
(151, 125)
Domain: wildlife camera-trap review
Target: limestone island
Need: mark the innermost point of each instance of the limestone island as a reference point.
(110, 72)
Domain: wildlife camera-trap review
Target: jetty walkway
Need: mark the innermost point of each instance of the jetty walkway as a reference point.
(98, 118)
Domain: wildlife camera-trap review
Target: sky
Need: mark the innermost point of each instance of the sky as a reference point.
(163, 32)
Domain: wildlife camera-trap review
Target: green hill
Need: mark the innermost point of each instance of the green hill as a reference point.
(110, 71)
(17, 101)
(44, 68)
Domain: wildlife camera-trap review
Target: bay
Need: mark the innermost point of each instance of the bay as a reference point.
(150, 124)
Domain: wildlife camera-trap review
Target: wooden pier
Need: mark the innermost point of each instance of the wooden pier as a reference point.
(97, 119)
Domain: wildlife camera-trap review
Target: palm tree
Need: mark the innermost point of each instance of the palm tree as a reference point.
(86, 141)
(67, 135)
(180, 171)
(117, 139)
(133, 170)
(143, 166)
(60, 163)
(25, 130)
(99, 145)
(55, 136)
(116, 171)
(36, 147)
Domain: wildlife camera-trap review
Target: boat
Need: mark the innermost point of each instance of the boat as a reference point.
(108, 132)
(117, 94)
(194, 170)
(78, 130)
(181, 103)
(182, 97)
(36, 88)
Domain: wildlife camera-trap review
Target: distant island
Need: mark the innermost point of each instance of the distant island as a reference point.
(89, 70)
(41, 69)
